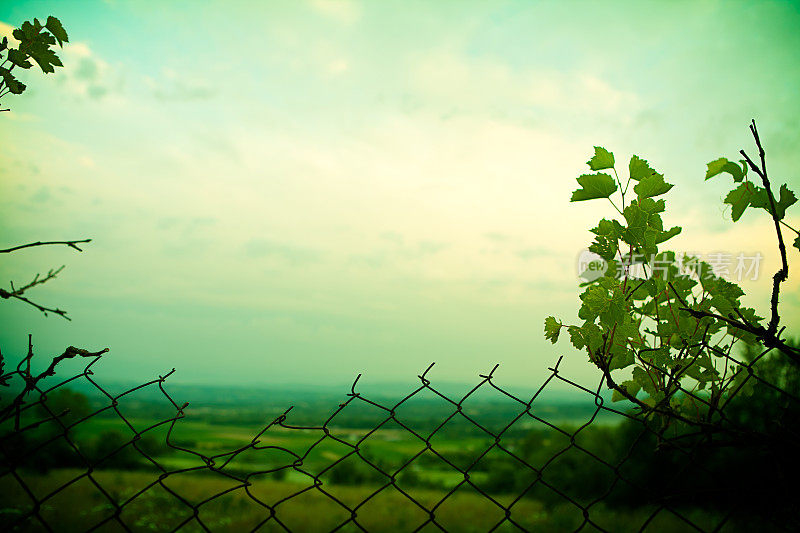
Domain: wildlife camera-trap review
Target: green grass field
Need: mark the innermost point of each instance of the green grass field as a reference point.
(81, 505)
(304, 490)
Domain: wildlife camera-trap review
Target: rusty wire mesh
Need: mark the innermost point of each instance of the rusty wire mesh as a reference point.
(31, 428)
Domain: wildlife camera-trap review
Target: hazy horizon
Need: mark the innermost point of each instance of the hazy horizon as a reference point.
(296, 193)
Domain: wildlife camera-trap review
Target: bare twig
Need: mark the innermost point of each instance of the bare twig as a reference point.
(71, 244)
(17, 293)
(781, 275)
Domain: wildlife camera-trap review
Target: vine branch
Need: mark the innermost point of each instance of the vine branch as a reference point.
(782, 274)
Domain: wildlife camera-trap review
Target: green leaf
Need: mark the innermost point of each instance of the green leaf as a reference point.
(608, 233)
(641, 377)
(576, 337)
(630, 386)
(639, 168)
(552, 328)
(595, 301)
(637, 224)
(787, 199)
(739, 199)
(650, 206)
(54, 26)
(44, 56)
(652, 185)
(18, 58)
(797, 242)
(14, 85)
(602, 159)
(761, 199)
(621, 358)
(667, 235)
(594, 186)
(721, 165)
(587, 336)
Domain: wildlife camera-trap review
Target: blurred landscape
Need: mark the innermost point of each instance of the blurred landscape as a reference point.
(330, 455)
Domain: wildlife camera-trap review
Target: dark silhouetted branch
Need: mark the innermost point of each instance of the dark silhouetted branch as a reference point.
(71, 244)
(17, 293)
(781, 275)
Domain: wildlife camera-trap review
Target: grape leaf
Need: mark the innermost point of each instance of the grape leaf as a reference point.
(621, 358)
(650, 206)
(639, 221)
(18, 58)
(630, 386)
(721, 165)
(608, 233)
(787, 199)
(639, 168)
(587, 336)
(641, 377)
(740, 197)
(652, 185)
(552, 328)
(45, 57)
(667, 235)
(576, 337)
(595, 301)
(14, 85)
(55, 27)
(594, 186)
(602, 159)
(797, 242)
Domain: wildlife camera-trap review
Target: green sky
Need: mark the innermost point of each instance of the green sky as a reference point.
(285, 192)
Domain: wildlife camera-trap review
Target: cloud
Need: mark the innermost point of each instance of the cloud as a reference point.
(42, 195)
(462, 83)
(87, 75)
(343, 11)
(532, 253)
(338, 67)
(392, 236)
(496, 236)
(295, 255)
(171, 86)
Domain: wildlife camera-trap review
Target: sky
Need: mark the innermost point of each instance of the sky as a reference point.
(299, 192)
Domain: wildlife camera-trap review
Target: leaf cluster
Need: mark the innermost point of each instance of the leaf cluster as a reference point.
(747, 193)
(36, 45)
(660, 326)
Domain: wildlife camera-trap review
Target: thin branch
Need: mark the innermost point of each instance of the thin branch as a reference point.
(36, 281)
(17, 293)
(781, 275)
(71, 244)
(769, 339)
(791, 228)
(43, 309)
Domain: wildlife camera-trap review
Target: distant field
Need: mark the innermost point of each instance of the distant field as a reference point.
(302, 468)
(387, 446)
(81, 505)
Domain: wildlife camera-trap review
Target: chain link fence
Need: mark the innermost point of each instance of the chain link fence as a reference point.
(525, 470)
